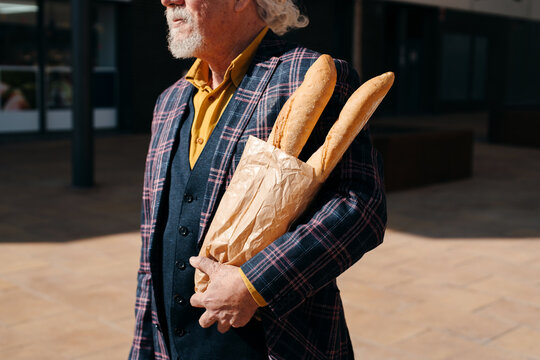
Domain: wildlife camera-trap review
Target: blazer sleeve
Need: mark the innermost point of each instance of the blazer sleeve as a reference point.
(346, 219)
(142, 347)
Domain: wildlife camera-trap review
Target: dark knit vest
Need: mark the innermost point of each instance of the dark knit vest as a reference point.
(182, 197)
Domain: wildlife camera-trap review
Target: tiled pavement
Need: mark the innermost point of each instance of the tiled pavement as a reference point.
(458, 276)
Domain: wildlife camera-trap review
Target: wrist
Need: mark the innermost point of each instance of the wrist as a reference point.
(256, 297)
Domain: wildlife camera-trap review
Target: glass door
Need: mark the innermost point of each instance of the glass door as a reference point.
(18, 66)
(58, 68)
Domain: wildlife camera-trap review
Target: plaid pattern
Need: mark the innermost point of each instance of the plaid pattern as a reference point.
(296, 274)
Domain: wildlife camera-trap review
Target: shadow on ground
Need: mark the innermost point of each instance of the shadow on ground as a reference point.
(40, 205)
(502, 200)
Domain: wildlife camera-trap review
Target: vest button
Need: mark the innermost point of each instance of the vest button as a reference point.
(179, 300)
(181, 265)
(183, 230)
(188, 198)
(179, 332)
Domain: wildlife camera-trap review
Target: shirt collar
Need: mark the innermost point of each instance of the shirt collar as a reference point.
(199, 73)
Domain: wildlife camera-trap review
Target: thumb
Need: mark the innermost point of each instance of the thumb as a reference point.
(204, 264)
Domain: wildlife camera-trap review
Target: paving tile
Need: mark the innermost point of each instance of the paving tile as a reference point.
(361, 296)
(364, 350)
(32, 351)
(73, 257)
(53, 281)
(379, 329)
(126, 325)
(112, 245)
(13, 259)
(105, 302)
(430, 290)
(117, 352)
(374, 277)
(10, 337)
(485, 266)
(452, 319)
(86, 341)
(487, 352)
(6, 285)
(50, 330)
(434, 345)
(46, 328)
(457, 276)
(528, 293)
(441, 271)
(20, 305)
(389, 255)
(522, 340)
(514, 251)
(513, 311)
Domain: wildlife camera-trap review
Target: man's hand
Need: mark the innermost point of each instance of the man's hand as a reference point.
(227, 299)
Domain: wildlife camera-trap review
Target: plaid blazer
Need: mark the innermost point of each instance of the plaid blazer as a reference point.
(297, 273)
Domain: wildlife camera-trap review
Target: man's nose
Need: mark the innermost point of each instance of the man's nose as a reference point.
(168, 3)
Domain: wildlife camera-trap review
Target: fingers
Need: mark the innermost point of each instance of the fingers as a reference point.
(223, 324)
(223, 327)
(197, 300)
(207, 319)
(204, 264)
(237, 322)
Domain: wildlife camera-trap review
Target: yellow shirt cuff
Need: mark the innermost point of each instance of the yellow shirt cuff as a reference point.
(254, 293)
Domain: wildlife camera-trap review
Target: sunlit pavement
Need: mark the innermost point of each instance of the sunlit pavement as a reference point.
(457, 277)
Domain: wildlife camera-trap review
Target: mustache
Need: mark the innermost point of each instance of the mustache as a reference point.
(176, 13)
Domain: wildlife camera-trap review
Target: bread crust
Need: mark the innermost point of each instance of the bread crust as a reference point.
(352, 118)
(302, 110)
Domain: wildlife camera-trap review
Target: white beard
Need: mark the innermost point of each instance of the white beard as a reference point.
(182, 47)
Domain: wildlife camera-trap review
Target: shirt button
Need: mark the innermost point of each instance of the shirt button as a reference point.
(211, 98)
(179, 300)
(179, 332)
(181, 265)
(200, 141)
(188, 198)
(183, 230)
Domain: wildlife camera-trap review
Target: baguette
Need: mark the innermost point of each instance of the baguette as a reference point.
(350, 122)
(300, 113)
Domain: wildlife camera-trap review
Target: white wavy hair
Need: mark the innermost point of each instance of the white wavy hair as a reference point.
(281, 15)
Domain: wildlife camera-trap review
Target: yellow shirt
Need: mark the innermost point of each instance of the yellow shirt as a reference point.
(209, 104)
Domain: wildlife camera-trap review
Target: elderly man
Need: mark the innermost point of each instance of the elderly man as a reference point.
(284, 302)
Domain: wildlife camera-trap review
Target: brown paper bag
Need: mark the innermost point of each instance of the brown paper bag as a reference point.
(270, 188)
(267, 192)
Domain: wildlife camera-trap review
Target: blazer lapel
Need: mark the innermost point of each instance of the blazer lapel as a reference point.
(236, 117)
(173, 112)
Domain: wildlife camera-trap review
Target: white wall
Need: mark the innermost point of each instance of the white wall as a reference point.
(527, 9)
(535, 9)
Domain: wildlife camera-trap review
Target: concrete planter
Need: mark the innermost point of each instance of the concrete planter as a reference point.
(415, 156)
(515, 126)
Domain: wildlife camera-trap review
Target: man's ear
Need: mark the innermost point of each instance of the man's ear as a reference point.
(241, 5)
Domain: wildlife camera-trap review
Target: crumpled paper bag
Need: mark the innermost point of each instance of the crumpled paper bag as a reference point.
(267, 192)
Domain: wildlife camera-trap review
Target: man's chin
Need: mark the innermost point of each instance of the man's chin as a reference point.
(181, 54)
(184, 48)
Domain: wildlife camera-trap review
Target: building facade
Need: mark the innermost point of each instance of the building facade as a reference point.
(35, 66)
(463, 55)
(466, 55)
(130, 64)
